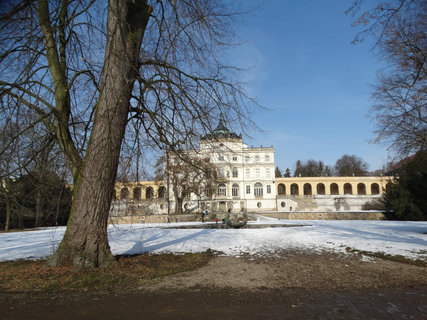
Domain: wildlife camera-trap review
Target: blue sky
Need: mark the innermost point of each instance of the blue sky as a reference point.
(315, 83)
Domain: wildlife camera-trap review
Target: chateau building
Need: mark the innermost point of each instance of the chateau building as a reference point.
(245, 175)
(245, 180)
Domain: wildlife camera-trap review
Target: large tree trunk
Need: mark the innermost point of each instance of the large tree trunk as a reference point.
(85, 243)
(178, 205)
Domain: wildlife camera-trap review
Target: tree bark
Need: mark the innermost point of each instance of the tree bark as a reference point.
(85, 243)
(178, 205)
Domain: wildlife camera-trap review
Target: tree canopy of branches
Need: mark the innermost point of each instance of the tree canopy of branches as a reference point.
(405, 196)
(351, 165)
(186, 174)
(94, 73)
(400, 112)
(311, 168)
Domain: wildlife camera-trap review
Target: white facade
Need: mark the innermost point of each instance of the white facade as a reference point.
(245, 176)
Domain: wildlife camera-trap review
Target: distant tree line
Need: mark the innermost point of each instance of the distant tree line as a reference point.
(34, 200)
(33, 188)
(347, 165)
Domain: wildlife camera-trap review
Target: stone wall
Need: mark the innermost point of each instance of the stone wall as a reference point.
(326, 215)
(158, 218)
(296, 215)
(324, 203)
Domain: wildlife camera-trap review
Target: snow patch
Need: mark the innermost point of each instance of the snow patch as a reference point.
(408, 239)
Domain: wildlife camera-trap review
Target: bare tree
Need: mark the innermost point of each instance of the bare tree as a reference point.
(400, 112)
(90, 71)
(187, 173)
(351, 165)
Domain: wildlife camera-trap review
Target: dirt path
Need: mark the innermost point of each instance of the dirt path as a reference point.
(294, 286)
(326, 271)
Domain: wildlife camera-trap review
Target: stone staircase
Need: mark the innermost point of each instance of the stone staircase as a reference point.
(304, 203)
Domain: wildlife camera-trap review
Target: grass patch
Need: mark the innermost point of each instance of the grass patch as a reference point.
(129, 272)
(390, 257)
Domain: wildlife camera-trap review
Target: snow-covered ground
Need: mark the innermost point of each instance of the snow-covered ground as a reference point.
(392, 237)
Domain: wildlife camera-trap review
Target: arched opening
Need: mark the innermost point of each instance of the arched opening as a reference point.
(348, 189)
(334, 189)
(137, 193)
(235, 190)
(281, 189)
(320, 189)
(294, 189)
(375, 188)
(307, 189)
(258, 190)
(161, 192)
(149, 193)
(361, 189)
(222, 190)
(124, 193)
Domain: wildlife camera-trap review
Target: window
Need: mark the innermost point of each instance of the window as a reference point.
(267, 157)
(267, 172)
(259, 204)
(221, 157)
(268, 188)
(283, 204)
(222, 190)
(247, 158)
(248, 189)
(234, 158)
(258, 190)
(209, 192)
(235, 173)
(248, 172)
(257, 157)
(235, 190)
(221, 173)
(257, 172)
